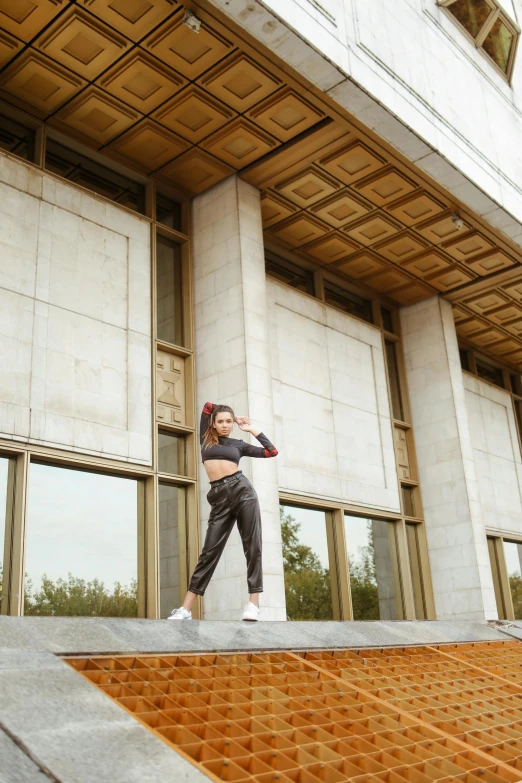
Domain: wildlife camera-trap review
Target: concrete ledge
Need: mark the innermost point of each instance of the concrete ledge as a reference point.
(76, 635)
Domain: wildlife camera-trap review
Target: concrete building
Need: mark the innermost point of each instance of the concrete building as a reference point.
(309, 210)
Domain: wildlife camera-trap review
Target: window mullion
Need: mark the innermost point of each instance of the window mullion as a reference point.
(486, 28)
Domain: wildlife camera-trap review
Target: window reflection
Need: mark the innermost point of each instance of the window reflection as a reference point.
(499, 44)
(16, 138)
(81, 544)
(472, 14)
(4, 468)
(412, 535)
(513, 555)
(168, 292)
(307, 569)
(172, 505)
(171, 454)
(373, 569)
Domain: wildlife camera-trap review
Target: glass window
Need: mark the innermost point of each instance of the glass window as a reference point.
(83, 171)
(168, 212)
(172, 510)
(387, 320)
(408, 501)
(81, 544)
(412, 537)
(4, 469)
(373, 569)
(464, 360)
(16, 138)
(472, 14)
(289, 273)
(307, 569)
(499, 44)
(171, 454)
(345, 300)
(513, 555)
(489, 372)
(168, 292)
(493, 544)
(393, 379)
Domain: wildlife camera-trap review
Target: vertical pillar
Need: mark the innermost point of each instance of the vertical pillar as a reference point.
(457, 544)
(233, 367)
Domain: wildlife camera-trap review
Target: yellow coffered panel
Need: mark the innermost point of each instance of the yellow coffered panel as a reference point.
(372, 229)
(330, 248)
(352, 162)
(239, 143)
(505, 313)
(239, 82)
(385, 186)
(389, 279)
(427, 263)
(150, 145)
(493, 261)
(488, 338)
(275, 209)
(440, 228)
(142, 81)
(196, 171)
(299, 229)
(411, 293)
(401, 247)
(308, 187)
(341, 209)
(25, 18)
(449, 278)
(40, 83)
(415, 208)
(82, 43)
(285, 114)
(484, 303)
(467, 246)
(193, 114)
(514, 289)
(133, 18)
(97, 117)
(471, 327)
(9, 46)
(362, 264)
(188, 52)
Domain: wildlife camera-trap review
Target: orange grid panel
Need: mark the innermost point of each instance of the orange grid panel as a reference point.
(388, 715)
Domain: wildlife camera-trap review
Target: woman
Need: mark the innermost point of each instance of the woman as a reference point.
(231, 497)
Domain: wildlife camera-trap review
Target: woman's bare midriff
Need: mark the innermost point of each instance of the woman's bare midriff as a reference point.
(219, 468)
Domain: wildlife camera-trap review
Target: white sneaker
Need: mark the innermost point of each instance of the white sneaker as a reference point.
(251, 612)
(180, 614)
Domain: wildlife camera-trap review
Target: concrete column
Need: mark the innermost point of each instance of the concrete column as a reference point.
(460, 567)
(233, 367)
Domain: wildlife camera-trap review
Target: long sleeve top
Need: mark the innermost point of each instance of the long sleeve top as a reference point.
(231, 449)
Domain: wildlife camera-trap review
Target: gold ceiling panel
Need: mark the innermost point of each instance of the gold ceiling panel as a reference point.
(508, 346)
(514, 290)
(352, 162)
(299, 229)
(385, 186)
(488, 338)
(388, 279)
(471, 327)
(308, 187)
(341, 208)
(142, 81)
(196, 171)
(239, 82)
(401, 247)
(483, 303)
(428, 263)
(330, 248)
(505, 313)
(492, 261)
(362, 264)
(239, 143)
(440, 228)
(415, 207)
(82, 43)
(514, 328)
(96, 116)
(467, 246)
(412, 293)
(193, 114)
(460, 315)
(150, 145)
(133, 18)
(449, 278)
(25, 18)
(374, 228)
(9, 46)
(188, 52)
(285, 114)
(40, 83)
(274, 209)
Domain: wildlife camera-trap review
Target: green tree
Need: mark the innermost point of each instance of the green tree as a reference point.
(363, 581)
(74, 597)
(515, 584)
(307, 583)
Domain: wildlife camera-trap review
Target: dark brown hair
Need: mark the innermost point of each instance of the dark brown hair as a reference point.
(211, 436)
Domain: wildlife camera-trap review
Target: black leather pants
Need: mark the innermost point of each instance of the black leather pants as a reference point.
(232, 498)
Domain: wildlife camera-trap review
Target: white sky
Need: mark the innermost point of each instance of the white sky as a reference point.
(512, 558)
(82, 523)
(313, 532)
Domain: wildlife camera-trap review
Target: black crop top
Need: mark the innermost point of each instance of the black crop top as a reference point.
(230, 448)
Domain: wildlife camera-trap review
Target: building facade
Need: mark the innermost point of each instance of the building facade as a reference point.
(308, 210)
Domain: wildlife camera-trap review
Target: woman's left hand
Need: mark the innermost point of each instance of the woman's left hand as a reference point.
(245, 424)
(241, 420)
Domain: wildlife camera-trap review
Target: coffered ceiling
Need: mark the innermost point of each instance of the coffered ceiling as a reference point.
(129, 78)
